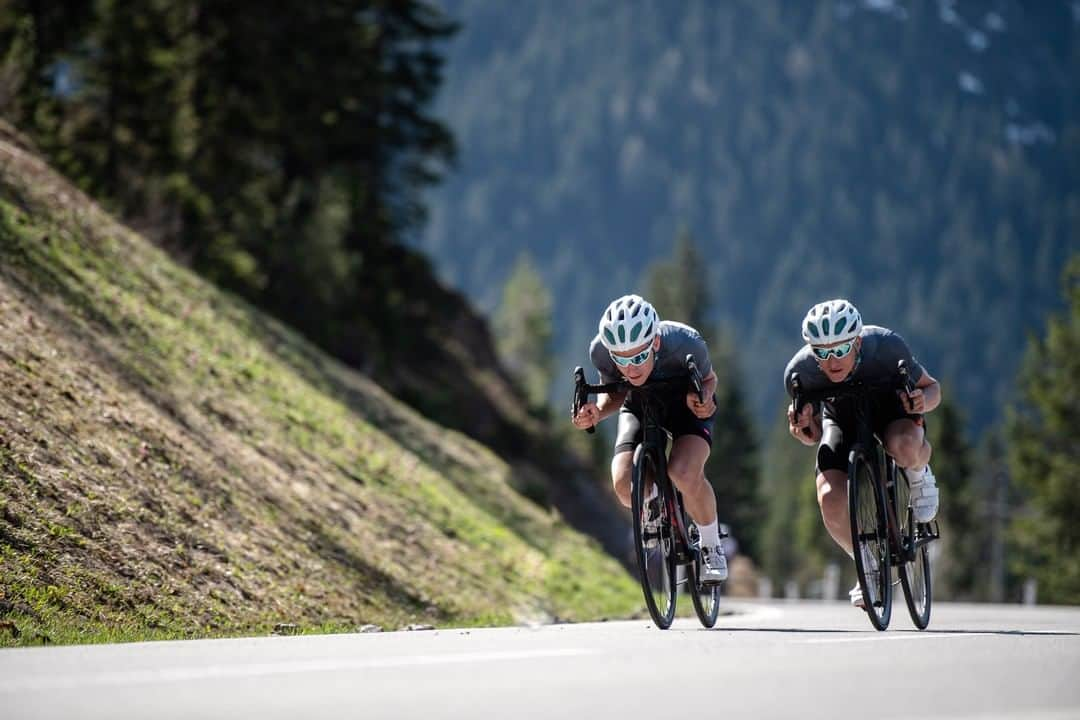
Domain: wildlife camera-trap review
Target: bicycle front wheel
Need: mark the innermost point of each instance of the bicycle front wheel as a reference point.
(706, 598)
(870, 536)
(914, 567)
(654, 541)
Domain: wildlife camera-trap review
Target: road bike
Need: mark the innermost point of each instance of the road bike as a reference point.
(884, 533)
(665, 538)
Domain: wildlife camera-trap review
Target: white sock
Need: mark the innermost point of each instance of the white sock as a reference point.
(710, 534)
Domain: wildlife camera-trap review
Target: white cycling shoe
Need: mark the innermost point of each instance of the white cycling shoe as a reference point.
(650, 528)
(713, 565)
(870, 567)
(924, 497)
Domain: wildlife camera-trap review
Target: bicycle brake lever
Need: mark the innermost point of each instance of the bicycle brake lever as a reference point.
(695, 377)
(796, 401)
(902, 371)
(580, 395)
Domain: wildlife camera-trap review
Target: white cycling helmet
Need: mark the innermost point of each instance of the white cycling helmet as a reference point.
(830, 322)
(628, 323)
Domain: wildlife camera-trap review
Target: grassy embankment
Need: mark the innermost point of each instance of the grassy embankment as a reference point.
(174, 464)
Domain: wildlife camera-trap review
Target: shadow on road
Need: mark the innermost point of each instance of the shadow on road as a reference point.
(820, 631)
(996, 632)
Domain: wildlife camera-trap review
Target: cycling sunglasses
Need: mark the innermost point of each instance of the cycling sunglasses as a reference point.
(638, 359)
(840, 351)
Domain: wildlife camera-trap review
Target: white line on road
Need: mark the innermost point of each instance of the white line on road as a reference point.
(878, 638)
(213, 672)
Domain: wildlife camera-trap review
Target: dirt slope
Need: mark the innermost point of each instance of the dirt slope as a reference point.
(175, 464)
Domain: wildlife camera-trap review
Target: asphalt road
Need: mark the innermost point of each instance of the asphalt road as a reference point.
(775, 660)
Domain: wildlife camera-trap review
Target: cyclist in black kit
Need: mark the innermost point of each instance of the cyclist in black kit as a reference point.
(633, 344)
(838, 348)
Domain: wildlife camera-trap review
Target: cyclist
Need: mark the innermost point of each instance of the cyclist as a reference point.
(838, 348)
(633, 343)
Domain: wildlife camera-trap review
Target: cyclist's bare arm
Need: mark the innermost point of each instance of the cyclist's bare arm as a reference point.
(610, 404)
(925, 397)
(591, 413)
(807, 427)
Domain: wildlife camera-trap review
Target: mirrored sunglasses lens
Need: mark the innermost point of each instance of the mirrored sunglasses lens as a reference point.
(839, 351)
(638, 359)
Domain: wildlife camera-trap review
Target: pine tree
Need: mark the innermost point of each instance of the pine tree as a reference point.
(795, 544)
(523, 330)
(678, 288)
(1045, 457)
(962, 533)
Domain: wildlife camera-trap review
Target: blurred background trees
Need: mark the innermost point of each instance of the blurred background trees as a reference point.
(679, 289)
(1044, 455)
(282, 152)
(920, 158)
(523, 331)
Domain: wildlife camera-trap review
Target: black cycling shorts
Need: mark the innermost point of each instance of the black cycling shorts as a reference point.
(838, 427)
(675, 417)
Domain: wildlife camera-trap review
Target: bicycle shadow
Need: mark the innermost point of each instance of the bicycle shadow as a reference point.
(893, 633)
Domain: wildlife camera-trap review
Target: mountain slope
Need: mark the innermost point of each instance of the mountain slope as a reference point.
(174, 464)
(920, 158)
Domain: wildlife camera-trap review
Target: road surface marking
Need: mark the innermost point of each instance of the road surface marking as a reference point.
(219, 672)
(912, 636)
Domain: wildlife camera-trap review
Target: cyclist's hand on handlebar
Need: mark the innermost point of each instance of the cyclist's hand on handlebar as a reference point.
(700, 409)
(587, 416)
(914, 403)
(798, 425)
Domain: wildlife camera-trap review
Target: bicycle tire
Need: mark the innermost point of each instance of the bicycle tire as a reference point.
(655, 554)
(866, 507)
(916, 577)
(706, 598)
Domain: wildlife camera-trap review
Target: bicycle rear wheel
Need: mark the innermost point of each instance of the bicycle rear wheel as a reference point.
(655, 548)
(706, 598)
(870, 536)
(914, 567)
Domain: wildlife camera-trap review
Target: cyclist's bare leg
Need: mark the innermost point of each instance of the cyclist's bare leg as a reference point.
(906, 441)
(622, 467)
(686, 466)
(832, 498)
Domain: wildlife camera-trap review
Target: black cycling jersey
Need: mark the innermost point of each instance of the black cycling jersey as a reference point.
(676, 342)
(881, 351)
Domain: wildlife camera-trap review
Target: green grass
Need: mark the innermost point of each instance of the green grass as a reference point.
(173, 464)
